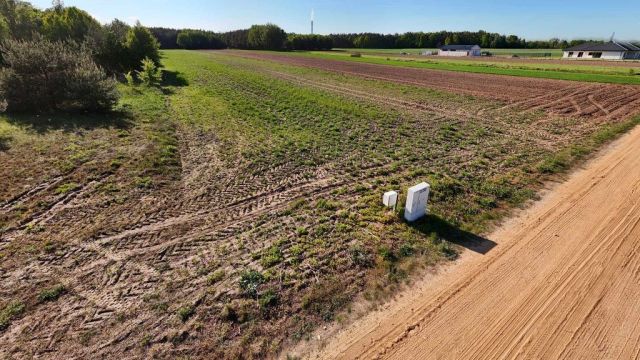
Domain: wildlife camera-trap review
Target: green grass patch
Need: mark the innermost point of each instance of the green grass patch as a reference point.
(52, 294)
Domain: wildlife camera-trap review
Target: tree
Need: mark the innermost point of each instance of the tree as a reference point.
(111, 52)
(199, 39)
(41, 75)
(68, 23)
(266, 37)
(19, 20)
(141, 44)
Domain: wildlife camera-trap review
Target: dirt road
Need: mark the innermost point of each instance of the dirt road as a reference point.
(564, 282)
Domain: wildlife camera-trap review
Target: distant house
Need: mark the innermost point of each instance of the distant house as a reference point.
(613, 50)
(460, 50)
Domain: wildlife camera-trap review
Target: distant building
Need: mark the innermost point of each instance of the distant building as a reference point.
(460, 50)
(613, 50)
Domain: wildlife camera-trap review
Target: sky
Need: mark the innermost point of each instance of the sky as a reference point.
(531, 19)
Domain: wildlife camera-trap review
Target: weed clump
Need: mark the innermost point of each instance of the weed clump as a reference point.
(250, 280)
(52, 294)
(185, 312)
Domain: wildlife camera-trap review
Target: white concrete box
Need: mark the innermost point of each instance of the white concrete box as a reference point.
(390, 199)
(417, 200)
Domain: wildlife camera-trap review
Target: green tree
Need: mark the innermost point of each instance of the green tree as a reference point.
(18, 19)
(266, 37)
(68, 23)
(141, 44)
(111, 52)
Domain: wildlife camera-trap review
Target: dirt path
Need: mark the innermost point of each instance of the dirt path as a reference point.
(564, 282)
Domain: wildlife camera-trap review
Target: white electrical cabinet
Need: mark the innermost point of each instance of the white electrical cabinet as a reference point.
(417, 200)
(390, 198)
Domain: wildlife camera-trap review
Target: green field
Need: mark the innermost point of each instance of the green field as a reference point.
(569, 71)
(241, 201)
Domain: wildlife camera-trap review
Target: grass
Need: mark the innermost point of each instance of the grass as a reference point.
(571, 72)
(11, 311)
(52, 294)
(222, 132)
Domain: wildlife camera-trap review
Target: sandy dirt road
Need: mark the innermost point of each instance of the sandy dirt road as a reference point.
(563, 282)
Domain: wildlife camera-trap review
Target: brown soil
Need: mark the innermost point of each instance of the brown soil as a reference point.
(564, 98)
(563, 282)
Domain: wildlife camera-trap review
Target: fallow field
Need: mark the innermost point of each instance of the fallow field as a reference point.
(235, 208)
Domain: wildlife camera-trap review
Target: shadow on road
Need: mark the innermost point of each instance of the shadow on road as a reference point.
(447, 231)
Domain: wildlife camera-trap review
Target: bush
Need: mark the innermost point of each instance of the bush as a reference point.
(149, 74)
(42, 75)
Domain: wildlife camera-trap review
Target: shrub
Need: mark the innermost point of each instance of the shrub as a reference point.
(43, 76)
(149, 73)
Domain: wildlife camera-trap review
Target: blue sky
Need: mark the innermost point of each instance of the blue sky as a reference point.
(532, 19)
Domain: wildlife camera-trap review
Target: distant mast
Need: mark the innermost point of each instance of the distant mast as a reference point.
(312, 17)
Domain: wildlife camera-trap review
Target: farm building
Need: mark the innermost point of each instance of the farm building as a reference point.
(460, 50)
(612, 50)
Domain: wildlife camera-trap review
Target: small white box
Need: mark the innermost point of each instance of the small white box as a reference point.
(390, 199)
(417, 200)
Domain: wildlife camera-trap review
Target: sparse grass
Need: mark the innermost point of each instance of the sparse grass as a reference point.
(10, 312)
(67, 188)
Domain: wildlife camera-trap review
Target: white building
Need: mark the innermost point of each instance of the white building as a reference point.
(460, 50)
(612, 50)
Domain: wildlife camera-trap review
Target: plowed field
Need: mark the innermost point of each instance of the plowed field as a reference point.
(558, 97)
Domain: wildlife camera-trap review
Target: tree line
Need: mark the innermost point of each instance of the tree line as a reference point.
(273, 38)
(258, 37)
(61, 58)
(422, 40)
